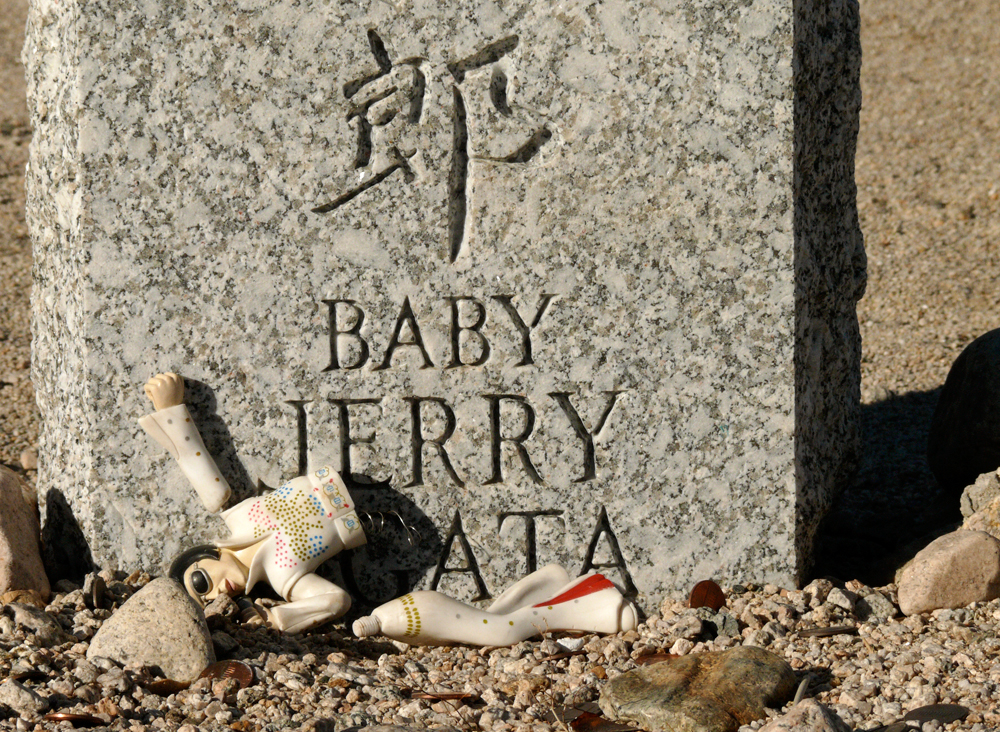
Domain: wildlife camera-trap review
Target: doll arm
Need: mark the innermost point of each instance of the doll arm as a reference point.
(171, 426)
(311, 601)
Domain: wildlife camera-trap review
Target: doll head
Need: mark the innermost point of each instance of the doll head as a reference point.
(206, 571)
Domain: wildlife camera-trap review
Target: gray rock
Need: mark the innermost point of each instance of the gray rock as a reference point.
(158, 626)
(980, 494)
(468, 179)
(964, 439)
(844, 599)
(20, 561)
(726, 624)
(21, 699)
(952, 571)
(807, 716)
(875, 605)
(688, 627)
(47, 630)
(986, 519)
(705, 692)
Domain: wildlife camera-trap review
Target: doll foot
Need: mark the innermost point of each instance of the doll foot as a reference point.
(367, 626)
(628, 617)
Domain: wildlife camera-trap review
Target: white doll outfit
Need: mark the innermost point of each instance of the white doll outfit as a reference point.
(298, 526)
(174, 429)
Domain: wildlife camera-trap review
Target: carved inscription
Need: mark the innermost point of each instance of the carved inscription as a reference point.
(367, 411)
(458, 558)
(470, 564)
(509, 419)
(468, 345)
(385, 110)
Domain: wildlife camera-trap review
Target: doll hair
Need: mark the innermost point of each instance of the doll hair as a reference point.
(188, 557)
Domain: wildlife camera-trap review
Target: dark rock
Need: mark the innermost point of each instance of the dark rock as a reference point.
(94, 588)
(964, 439)
(224, 643)
(706, 692)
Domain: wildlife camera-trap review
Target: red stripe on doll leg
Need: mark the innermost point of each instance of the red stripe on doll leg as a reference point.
(594, 583)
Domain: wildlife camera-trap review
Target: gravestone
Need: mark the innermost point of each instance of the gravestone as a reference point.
(559, 282)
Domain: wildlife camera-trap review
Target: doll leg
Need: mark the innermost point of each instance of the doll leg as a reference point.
(590, 603)
(537, 586)
(311, 601)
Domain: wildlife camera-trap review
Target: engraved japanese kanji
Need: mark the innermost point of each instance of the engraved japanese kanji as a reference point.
(386, 109)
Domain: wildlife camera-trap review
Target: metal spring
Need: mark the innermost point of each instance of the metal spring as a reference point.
(375, 523)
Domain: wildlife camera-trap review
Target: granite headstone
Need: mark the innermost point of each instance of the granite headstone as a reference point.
(561, 282)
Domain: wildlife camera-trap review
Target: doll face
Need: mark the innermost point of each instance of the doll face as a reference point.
(206, 579)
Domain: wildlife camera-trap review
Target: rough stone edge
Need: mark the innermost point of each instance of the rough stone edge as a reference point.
(54, 211)
(830, 262)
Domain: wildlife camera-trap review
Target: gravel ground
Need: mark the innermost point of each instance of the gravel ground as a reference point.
(870, 675)
(929, 198)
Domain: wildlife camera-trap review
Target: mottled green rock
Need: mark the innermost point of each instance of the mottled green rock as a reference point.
(704, 692)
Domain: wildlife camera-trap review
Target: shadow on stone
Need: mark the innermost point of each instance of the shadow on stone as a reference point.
(388, 566)
(829, 258)
(65, 552)
(894, 506)
(403, 546)
(201, 402)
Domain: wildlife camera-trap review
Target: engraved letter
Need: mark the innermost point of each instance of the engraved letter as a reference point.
(301, 427)
(346, 560)
(355, 331)
(516, 440)
(405, 316)
(523, 329)
(471, 565)
(418, 441)
(529, 529)
(604, 527)
(589, 461)
(346, 438)
(474, 331)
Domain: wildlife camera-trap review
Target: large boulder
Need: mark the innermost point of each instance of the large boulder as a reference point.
(952, 571)
(704, 692)
(162, 626)
(20, 561)
(964, 439)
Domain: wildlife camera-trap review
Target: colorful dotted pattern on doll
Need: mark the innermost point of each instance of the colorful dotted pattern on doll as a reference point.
(412, 615)
(296, 519)
(332, 490)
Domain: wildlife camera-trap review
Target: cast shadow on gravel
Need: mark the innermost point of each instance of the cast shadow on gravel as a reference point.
(894, 506)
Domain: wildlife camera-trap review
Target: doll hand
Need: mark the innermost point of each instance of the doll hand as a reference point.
(253, 614)
(165, 390)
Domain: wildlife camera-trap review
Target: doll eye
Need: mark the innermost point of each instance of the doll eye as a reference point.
(200, 581)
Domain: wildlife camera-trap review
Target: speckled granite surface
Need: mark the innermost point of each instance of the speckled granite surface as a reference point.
(562, 239)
